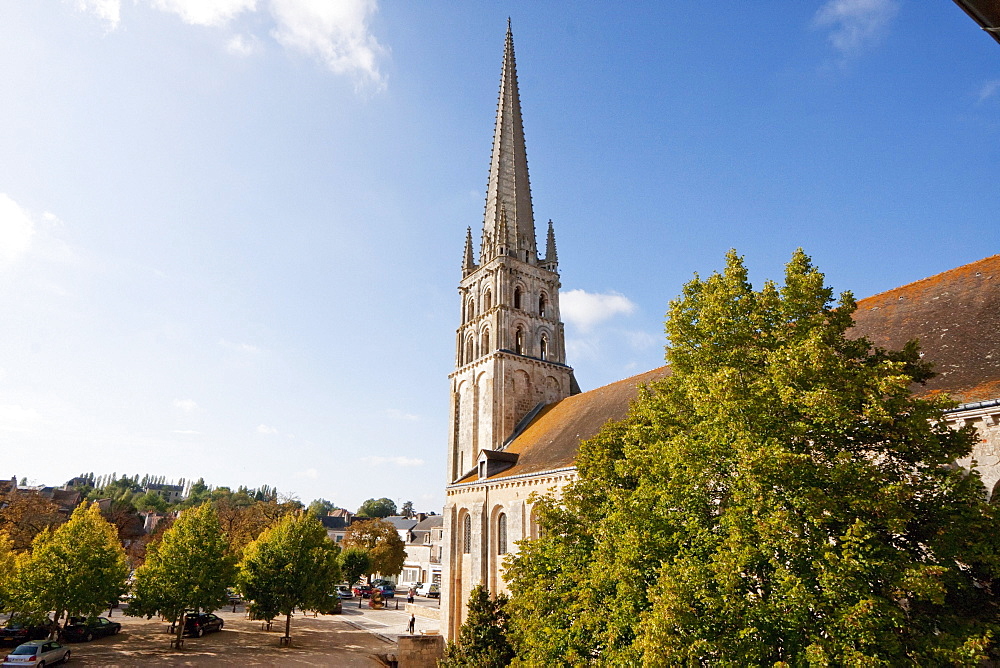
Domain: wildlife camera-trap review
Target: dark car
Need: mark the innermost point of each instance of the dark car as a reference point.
(198, 624)
(16, 632)
(78, 628)
(333, 606)
(388, 590)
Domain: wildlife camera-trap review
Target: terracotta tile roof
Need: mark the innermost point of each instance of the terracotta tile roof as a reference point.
(551, 440)
(956, 317)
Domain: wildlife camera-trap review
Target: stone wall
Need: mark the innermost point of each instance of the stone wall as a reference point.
(419, 651)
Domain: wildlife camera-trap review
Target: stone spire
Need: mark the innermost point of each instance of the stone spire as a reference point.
(468, 260)
(508, 188)
(551, 257)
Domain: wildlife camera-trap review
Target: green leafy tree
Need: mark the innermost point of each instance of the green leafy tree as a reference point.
(190, 568)
(26, 514)
(8, 564)
(482, 639)
(151, 500)
(355, 563)
(380, 508)
(291, 565)
(78, 569)
(782, 498)
(407, 509)
(320, 507)
(382, 543)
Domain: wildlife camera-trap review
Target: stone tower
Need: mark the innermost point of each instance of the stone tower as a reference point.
(510, 347)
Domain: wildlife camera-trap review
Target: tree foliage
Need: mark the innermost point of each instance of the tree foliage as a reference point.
(25, 514)
(320, 507)
(8, 564)
(77, 569)
(291, 565)
(244, 518)
(782, 498)
(482, 640)
(382, 542)
(380, 508)
(190, 568)
(355, 563)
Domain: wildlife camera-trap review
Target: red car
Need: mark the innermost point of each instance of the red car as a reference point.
(364, 591)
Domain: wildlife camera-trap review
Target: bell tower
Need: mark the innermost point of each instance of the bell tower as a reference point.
(510, 346)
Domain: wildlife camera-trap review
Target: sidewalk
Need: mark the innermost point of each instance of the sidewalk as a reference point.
(390, 623)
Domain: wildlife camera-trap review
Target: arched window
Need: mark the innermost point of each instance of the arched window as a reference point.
(517, 297)
(486, 342)
(542, 303)
(544, 346)
(470, 309)
(487, 300)
(519, 341)
(502, 534)
(469, 351)
(467, 534)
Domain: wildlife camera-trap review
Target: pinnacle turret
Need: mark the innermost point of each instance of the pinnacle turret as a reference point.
(468, 260)
(551, 257)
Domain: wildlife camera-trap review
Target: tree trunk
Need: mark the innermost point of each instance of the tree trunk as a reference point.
(288, 627)
(179, 642)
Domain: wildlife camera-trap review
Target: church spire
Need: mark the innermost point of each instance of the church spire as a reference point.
(508, 188)
(468, 260)
(551, 258)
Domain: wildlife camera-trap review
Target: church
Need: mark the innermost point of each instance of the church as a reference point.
(517, 412)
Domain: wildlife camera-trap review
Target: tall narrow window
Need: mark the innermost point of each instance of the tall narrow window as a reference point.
(542, 303)
(502, 534)
(470, 309)
(517, 297)
(467, 534)
(486, 342)
(544, 346)
(519, 341)
(468, 351)
(487, 300)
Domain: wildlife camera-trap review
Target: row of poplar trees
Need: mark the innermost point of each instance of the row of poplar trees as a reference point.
(80, 568)
(783, 498)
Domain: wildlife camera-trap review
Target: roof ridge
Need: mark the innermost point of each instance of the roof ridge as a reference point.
(930, 278)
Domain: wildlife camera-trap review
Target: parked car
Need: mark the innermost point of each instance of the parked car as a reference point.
(364, 591)
(334, 606)
(38, 653)
(344, 591)
(388, 589)
(198, 624)
(16, 632)
(430, 590)
(78, 628)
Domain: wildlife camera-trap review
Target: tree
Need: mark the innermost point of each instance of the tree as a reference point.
(291, 565)
(407, 510)
(189, 568)
(355, 562)
(321, 507)
(8, 563)
(242, 522)
(781, 498)
(25, 514)
(380, 508)
(151, 500)
(482, 639)
(78, 569)
(382, 542)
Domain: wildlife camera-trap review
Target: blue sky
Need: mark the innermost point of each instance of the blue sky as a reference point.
(231, 230)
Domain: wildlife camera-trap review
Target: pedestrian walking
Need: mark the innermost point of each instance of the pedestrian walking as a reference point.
(409, 595)
(413, 623)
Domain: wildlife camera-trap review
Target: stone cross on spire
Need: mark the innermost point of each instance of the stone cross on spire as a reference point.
(508, 188)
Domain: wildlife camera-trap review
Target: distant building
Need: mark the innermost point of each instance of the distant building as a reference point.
(170, 493)
(336, 523)
(424, 551)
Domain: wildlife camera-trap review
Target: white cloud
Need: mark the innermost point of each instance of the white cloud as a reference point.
(855, 24)
(186, 405)
(17, 418)
(16, 230)
(310, 473)
(587, 309)
(247, 348)
(334, 32)
(402, 462)
(206, 12)
(989, 89)
(396, 414)
(108, 11)
(264, 429)
(243, 45)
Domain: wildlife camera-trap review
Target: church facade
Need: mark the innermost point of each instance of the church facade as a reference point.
(517, 413)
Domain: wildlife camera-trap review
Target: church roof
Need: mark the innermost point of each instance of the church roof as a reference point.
(551, 440)
(956, 317)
